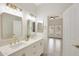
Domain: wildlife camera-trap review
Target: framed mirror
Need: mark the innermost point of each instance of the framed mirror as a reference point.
(10, 25)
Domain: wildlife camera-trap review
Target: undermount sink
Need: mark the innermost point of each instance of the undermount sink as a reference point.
(17, 45)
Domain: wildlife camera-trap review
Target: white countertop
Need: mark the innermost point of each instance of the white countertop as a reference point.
(8, 49)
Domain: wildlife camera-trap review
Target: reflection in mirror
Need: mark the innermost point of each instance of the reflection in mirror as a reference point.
(30, 28)
(40, 27)
(33, 27)
(10, 25)
(17, 26)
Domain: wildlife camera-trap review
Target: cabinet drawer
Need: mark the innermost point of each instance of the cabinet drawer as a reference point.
(28, 51)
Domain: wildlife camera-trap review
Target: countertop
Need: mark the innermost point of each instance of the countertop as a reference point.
(8, 49)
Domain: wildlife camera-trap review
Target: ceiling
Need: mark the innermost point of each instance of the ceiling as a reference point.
(31, 7)
(45, 8)
(53, 8)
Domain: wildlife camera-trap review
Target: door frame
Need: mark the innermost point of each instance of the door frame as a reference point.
(61, 52)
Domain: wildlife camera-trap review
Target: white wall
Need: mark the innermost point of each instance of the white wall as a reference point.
(71, 30)
(43, 18)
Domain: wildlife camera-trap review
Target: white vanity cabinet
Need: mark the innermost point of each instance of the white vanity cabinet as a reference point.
(36, 49)
(30, 48)
(18, 53)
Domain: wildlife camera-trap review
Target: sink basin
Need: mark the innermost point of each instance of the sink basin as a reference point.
(17, 45)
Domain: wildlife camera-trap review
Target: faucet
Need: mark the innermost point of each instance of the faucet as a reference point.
(26, 37)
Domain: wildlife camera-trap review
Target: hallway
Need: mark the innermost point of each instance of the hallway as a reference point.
(54, 47)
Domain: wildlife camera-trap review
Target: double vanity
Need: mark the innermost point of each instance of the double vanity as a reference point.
(33, 47)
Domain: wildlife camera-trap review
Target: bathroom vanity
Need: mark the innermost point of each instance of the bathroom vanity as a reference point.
(19, 36)
(33, 47)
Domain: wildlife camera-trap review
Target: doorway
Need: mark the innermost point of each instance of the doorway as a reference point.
(54, 47)
(55, 36)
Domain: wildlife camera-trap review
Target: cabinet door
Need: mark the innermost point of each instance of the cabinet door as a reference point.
(41, 46)
(38, 48)
(35, 49)
(28, 51)
(19, 53)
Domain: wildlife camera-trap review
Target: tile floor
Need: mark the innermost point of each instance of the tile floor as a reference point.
(54, 47)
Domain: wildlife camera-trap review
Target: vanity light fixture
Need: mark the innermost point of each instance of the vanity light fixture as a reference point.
(13, 6)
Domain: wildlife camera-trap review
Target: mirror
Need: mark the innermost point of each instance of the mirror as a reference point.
(31, 25)
(10, 25)
(33, 28)
(40, 27)
(28, 28)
